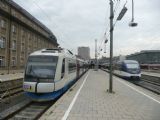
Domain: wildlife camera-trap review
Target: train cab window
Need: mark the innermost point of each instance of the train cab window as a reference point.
(42, 67)
(63, 68)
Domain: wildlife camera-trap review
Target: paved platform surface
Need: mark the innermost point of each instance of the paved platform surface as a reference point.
(151, 74)
(8, 77)
(88, 100)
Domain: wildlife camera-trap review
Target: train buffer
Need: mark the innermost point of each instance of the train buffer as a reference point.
(88, 100)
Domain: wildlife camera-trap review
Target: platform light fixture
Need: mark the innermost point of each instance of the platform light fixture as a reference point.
(132, 23)
(105, 48)
(106, 41)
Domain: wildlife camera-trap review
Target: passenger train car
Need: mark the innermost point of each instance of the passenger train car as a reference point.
(50, 72)
(127, 69)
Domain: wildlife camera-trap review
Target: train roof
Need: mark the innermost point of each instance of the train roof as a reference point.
(130, 61)
(53, 52)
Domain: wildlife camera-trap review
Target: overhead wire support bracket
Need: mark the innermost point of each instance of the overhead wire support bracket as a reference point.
(122, 13)
(111, 29)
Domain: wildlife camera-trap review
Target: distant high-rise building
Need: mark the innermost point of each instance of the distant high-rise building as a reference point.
(84, 52)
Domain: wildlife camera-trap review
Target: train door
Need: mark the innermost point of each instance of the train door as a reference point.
(62, 75)
(78, 69)
(63, 69)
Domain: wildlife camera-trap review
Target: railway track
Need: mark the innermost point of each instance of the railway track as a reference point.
(7, 113)
(31, 111)
(26, 110)
(10, 88)
(151, 83)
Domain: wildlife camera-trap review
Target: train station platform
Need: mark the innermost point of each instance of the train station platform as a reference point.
(154, 74)
(89, 100)
(9, 77)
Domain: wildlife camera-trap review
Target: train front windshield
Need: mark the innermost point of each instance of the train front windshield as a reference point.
(41, 67)
(132, 66)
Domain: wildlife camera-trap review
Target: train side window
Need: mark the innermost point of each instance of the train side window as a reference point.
(71, 67)
(63, 68)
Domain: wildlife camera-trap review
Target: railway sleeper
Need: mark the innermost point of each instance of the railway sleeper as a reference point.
(151, 78)
(4, 87)
(10, 93)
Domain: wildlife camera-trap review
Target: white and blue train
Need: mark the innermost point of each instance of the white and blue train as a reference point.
(50, 72)
(127, 69)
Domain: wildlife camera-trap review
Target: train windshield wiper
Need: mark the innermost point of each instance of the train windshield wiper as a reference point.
(32, 72)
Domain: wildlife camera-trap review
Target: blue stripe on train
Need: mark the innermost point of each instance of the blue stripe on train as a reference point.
(52, 95)
(49, 96)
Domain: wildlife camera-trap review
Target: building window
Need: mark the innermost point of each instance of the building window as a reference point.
(3, 23)
(3, 5)
(29, 49)
(2, 61)
(29, 37)
(14, 45)
(14, 29)
(22, 60)
(13, 12)
(22, 33)
(22, 18)
(13, 61)
(2, 42)
(22, 47)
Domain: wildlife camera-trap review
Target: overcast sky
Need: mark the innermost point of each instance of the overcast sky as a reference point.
(79, 22)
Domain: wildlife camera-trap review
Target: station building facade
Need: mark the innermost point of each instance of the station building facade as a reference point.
(20, 34)
(146, 57)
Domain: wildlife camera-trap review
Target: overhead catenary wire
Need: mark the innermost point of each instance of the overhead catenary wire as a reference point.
(49, 20)
(105, 24)
(107, 31)
(107, 35)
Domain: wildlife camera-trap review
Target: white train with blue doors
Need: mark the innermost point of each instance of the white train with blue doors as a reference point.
(50, 72)
(127, 69)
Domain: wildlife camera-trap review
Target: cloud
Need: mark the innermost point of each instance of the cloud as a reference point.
(79, 22)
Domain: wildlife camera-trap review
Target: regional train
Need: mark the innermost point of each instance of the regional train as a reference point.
(128, 69)
(50, 72)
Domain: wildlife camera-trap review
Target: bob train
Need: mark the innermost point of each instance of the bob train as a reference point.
(50, 72)
(128, 69)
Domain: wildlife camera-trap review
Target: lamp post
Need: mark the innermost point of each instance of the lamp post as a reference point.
(111, 47)
(132, 24)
